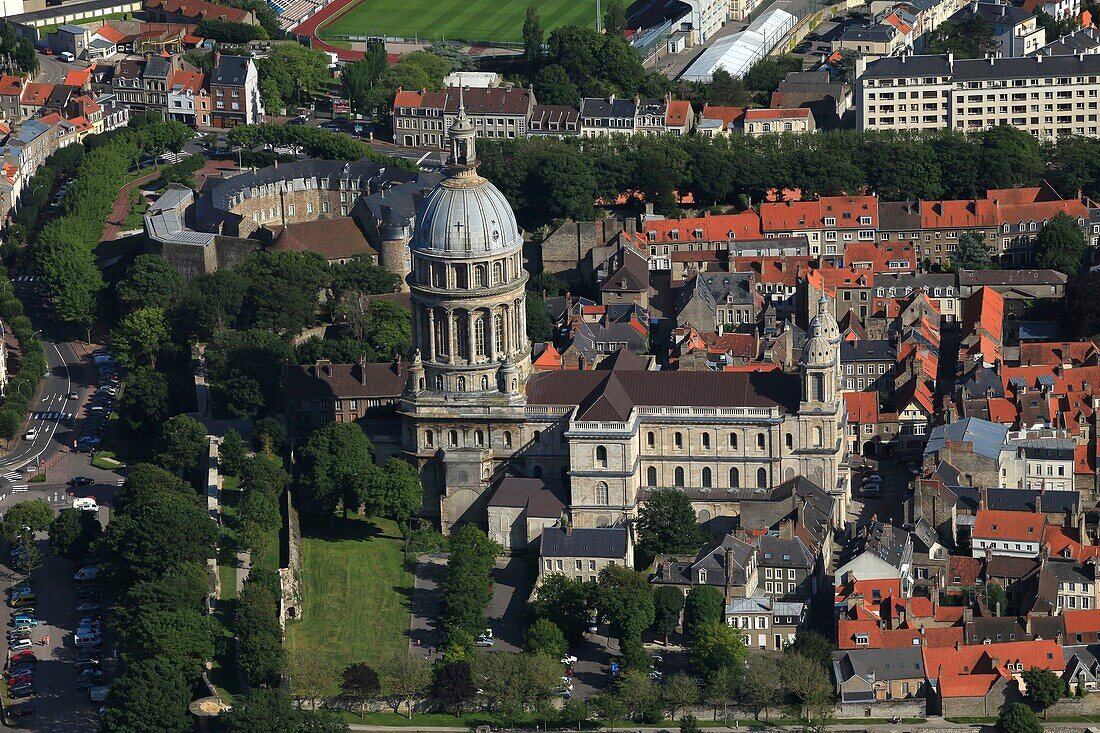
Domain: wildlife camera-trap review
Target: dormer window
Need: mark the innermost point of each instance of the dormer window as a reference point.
(830, 221)
(863, 639)
(865, 220)
(651, 236)
(698, 233)
(702, 575)
(674, 235)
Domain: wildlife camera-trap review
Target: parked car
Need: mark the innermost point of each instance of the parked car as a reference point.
(25, 689)
(73, 396)
(22, 711)
(88, 572)
(21, 679)
(23, 601)
(86, 638)
(81, 481)
(19, 645)
(87, 607)
(27, 656)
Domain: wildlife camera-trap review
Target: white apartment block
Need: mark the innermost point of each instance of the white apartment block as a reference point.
(1049, 97)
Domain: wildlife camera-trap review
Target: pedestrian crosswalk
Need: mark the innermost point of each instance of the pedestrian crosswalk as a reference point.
(12, 476)
(19, 489)
(52, 415)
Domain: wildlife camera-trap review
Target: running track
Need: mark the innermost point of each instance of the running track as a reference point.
(309, 26)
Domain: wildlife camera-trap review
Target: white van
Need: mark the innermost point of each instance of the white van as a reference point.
(66, 57)
(90, 572)
(86, 503)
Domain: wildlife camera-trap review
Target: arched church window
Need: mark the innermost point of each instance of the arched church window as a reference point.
(601, 456)
(650, 440)
(479, 438)
(498, 274)
(651, 476)
(706, 478)
(439, 381)
(761, 478)
(479, 276)
(429, 438)
(706, 441)
(507, 438)
(452, 439)
(760, 441)
(817, 437)
(479, 336)
(789, 440)
(733, 440)
(735, 478)
(601, 493)
(678, 441)
(498, 331)
(678, 476)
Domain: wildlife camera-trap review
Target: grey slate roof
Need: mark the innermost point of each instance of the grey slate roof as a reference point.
(776, 552)
(157, 67)
(880, 33)
(1070, 572)
(608, 108)
(997, 14)
(596, 542)
(983, 69)
(1086, 40)
(988, 438)
(868, 350)
(764, 604)
(529, 493)
(1023, 500)
(882, 664)
(230, 71)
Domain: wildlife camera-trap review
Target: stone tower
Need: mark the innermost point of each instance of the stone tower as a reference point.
(393, 250)
(822, 416)
(464, 400)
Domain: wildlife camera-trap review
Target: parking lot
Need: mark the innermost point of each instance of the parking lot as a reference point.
(57, 703)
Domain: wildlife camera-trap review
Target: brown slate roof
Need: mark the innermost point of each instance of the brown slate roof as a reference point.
(529, 493)
(624, 359)
(608, 402)
(325, 380)
(662, 389)
(333, 239)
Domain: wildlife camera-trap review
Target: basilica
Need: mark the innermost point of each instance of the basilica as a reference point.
(593, 443)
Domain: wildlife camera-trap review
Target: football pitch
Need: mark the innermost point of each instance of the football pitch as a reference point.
(461, 20)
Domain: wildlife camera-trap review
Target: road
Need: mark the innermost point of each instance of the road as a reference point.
(54, 431)
(52, 70)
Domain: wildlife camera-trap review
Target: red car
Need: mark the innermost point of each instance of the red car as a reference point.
(27, 655)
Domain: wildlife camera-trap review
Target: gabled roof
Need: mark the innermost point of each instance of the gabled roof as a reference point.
(678, 113)
(967, 569)
(1002, 525)
(594, 542)
(108, 33)
(970, 671)
(528, 493)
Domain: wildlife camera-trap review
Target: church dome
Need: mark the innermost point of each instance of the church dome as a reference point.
(466, 216)
(823, 324)
(818, 351)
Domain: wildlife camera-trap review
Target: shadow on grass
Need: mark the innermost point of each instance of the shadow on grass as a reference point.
(338, 528)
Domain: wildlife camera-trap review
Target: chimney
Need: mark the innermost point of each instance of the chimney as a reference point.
(323, 368)
(785, 530)
(729, 573)
(362, 371)
(1027, 625)
(568, 529)
(1039, 498)
(983, 500)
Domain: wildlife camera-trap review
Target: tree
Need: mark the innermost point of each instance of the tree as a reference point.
(565, 602)
(575, 712)
(73, 534)
(149, 694)
(180, 446)
(626, 601)
(72, 280)
(140, 337)
(680, 691)
(765, 75)
(971, 252)
(260, 653)
(813, 645)
(183, 637)
(638, 695)
(803, 678)
(271, 711)
(403, 677)
(667, 524)
(143, 405)
(760, 684)
(257, 520)
(607, 708)
(281, 294)
(232, 452)
(553, 84)
(359, 683)
(539, 328)
(614, 18)
(224, 31)
(689, 724)
(1054, 27)
(360, 76)
(667, 604)
(532, 39)
(35, 514)
(722, 687)
(714, 645)
(543, 637)
(1060, 245)
(294, 75)
(336, 463)
(150, 282)
(394, 492)
(1010, 157)
(467, 585)
(269, 437)
(1045, 687)
(971, 38)
(1018, 718)
(704, 604)
(452, 684)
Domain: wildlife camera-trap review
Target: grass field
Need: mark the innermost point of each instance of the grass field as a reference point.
(355, 592)
(470, 20)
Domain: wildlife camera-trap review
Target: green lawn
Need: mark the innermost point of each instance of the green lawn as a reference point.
(355, 591)
(470, 20)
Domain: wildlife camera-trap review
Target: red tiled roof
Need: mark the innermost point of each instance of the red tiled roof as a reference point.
(198, 9)
(966, 569)
(720, 228)
(1057, 352)
(738, 344)
(407, 99)
(1006, 525)
(37, 94)
(775, 114)
(1062, 542)
(192, 81)
(803, 215)
(108, 33)
(80, 77)
(548, 359)
(756, 366)
(970, 671)
(1082, 621)
(677, 113)
(11, 85)
(1084, 461)
(878, 256)
(728, 115)
(774, 270)
(862, 407)
(1002, 411)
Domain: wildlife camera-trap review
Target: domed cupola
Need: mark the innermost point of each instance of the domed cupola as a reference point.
(824, 324)
(467, 280)
(465, 214)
